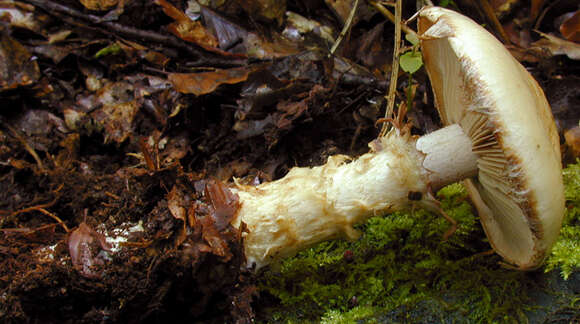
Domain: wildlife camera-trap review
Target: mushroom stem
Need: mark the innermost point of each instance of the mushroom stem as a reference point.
(310, 205)
(448, 156)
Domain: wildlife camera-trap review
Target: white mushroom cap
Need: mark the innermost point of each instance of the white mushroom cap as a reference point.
(477, 84)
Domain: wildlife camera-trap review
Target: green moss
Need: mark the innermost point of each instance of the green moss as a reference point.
(400, 270)
(566, 252)
(350, 316)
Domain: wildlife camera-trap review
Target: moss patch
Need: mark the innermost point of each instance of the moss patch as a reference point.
(400, 270)
(566, 252)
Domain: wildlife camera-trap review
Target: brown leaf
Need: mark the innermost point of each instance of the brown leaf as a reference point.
(340, 8)
(267, 10)
(206, 82)
(572, 137)
(135, 50)
(18, 68)
(224, 203)
(230, 36)
(20, 15)
(558, 46)
(187, 29)
(118, 111)
(570, 28)
(99, 5)
(370, 49)
(292, 110)
(236, 168)
(210, 234)
(175, 203)
(297, 27)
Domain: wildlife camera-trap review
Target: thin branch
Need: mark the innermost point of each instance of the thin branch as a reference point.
(489, 12)
(395, 65)
(345, 29)
(25, 144)
(543, 14)
(127, 31)
(389, 15)
(44, 211)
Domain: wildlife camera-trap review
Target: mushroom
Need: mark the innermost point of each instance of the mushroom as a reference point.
(500, 135)
(478, 85)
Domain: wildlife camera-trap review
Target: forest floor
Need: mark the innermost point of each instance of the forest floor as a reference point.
(122, 121)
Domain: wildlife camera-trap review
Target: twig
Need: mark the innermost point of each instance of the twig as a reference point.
(395, 65)
(345, 29)
(489, 12)
(543, 14)
(389, 15)
(127, 31)
(25, 144)
(41, 209)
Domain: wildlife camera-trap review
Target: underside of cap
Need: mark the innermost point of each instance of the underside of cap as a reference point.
(477, 84)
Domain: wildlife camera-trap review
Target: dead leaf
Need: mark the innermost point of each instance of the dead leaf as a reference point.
(530, 55)
(572, 137)
(266, 10)
(210, 234)
(118, 120)
(17, 66)
(206, 82)
(135, 50)
(224, 203)
(558, 46)
(239, 42)
(187, 29)
(230, 36)
(236, 168)
(340, 8)
(371, 51)
(99, 5)
(118, 111)
(570, 28)
(298, 26)
(214, 217)
(250, 128)
(20, 15)
(175, 203)
(291, 111)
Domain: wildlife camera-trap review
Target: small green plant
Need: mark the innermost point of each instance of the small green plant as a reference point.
(411, 61)
(447, 3)
(112, 49)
